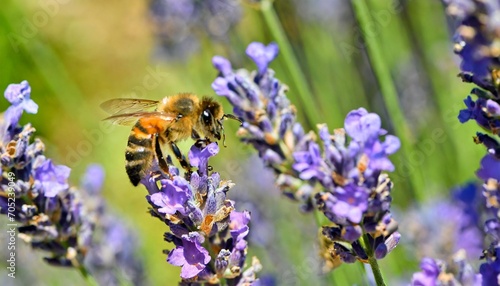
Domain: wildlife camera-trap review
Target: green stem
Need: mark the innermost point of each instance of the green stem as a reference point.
(376, 271)
(299, 80)
(87, 276)
(388, 90)
(381, 71)
(377, 274)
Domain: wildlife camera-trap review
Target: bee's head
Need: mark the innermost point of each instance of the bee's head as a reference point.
(211, 118)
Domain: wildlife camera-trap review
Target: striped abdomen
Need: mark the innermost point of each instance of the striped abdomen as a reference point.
(139, 153)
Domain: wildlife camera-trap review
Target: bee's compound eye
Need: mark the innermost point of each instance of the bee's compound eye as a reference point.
(206, 116)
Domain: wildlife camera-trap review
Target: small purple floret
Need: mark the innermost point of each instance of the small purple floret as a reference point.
(199, 157)
(19, 97)
(429, 274)
(53, 178)
(173, 196)
(191, 256)
(350, 202)
(262, 55)
(490, 168)
(239, 224)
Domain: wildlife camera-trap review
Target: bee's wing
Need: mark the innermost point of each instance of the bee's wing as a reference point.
(130, 118)
(127, 105)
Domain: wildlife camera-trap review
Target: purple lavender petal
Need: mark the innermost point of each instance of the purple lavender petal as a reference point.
(191, 270)
(239, 224)
(309, 163)
(473, 59)
(429, 274)
(191, 256)
(176, 256)
(391, 144)
(13, 114)
(350, 202)
(466, 114)
(19, 96)
(53, 179)
(172, 197)
(474, 111)
(15, 93)
(392, 241)
(30, 106)
(381, 251)
(262, 55)
(493, 108)
(220, 87)
(194, 253)
(352, 119)
(222, 65)
(199, 158)
(361, 125)
(490, 168)
(352, 232)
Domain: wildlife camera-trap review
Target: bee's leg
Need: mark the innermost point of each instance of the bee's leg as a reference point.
(200, 143)
(161, 160)
(182, 159)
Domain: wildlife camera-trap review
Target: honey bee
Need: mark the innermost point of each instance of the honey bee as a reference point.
(176, 118)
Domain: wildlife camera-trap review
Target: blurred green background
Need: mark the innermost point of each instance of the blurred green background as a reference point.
(76, 54)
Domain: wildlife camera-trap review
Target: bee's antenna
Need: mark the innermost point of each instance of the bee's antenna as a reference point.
(230, 116)
(222, 130)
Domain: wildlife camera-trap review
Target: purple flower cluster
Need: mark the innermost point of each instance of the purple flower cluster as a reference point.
(449, 231)
(455, 226)
(476, 37)
(355, 195)
(50, 215)
(35, 191)
(443, 228)
(490, 269)
(436, 272)
(208, 233)
(177, 22)
(343, 179)
(259, 100)
(477, 44)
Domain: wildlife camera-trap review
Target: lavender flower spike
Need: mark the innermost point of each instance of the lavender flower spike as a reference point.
(200, 217)
(477, 41)
(437, 272)
(259, 100)
(344, 179)
(52, 217)
(51, 214)
(475, 37)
